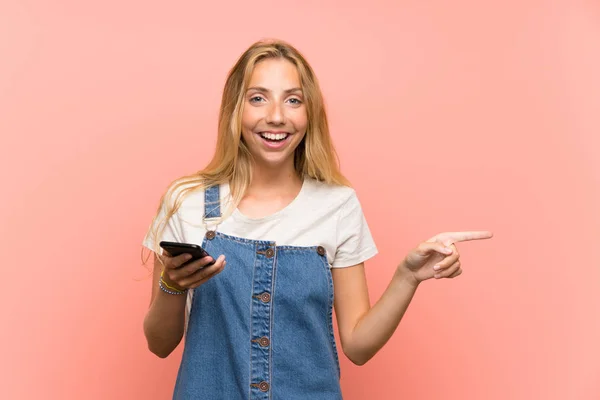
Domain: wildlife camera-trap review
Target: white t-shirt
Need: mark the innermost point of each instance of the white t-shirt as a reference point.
(320, 215)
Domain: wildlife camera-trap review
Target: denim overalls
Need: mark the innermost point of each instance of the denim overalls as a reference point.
(262, 328)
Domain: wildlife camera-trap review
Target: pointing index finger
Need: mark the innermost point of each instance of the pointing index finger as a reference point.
(453, 237)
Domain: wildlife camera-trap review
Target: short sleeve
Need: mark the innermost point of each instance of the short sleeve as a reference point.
(172, 231)
(354, 241)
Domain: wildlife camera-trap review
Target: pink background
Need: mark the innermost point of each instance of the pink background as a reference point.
(447, 116)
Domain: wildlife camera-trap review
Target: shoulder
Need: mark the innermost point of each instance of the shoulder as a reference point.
(351, 242)
(183, 192)
(334, 200)
(187, 195)
(329, 195)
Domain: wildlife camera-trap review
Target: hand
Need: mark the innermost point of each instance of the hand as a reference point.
(191, 275)
(437, 257)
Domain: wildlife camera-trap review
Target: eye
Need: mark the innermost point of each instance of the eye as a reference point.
(295, 101)
(255, 99)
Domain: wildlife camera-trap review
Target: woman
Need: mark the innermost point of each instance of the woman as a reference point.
(286, 230)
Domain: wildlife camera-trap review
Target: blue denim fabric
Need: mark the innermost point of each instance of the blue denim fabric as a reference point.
(262, 328)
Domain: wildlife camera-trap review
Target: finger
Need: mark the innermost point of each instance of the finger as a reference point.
(457, 273)
(202, 276)
(426, 248)
(209, 277)
(198, 269)
(170, 262)
(448, 271)
(448, 238)
(193, 268)
(448, 261)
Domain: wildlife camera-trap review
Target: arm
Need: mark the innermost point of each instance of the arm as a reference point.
(165, 320)
(363, 329)
(164, 324)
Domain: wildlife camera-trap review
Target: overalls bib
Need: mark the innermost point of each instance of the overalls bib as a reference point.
(262, 328)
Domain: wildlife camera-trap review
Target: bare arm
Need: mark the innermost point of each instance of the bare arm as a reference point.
(165, 319)
(364, 330)
(164, 323)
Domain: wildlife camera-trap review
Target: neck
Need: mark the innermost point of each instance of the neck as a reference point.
(269, 180)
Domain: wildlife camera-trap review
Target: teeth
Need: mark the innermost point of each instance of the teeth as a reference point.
(274, 136)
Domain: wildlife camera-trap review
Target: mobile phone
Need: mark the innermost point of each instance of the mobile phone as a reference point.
(176, 248)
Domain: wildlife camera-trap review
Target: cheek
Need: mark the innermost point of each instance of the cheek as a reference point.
(246, 135)
(250, 117)
(246, 120)
(300, 121)
(247, 125)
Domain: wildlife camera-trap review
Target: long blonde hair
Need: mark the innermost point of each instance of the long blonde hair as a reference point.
(315, 156)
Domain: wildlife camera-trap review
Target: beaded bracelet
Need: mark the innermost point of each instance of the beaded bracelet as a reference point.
(169, 289)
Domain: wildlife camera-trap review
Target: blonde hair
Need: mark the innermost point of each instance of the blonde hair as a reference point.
(315, 156)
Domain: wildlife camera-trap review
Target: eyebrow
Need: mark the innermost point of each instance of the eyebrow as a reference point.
(265, 90)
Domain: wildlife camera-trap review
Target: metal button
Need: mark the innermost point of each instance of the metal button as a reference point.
(321, 250)
(270, 253)
(263, 386)
(265, 297)
(264, 341)
(210, 235)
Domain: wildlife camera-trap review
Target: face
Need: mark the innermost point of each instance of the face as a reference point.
(274, 119)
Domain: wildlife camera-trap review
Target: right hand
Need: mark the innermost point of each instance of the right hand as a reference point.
(193, 274)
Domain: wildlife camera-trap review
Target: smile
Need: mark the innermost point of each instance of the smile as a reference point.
(274, 137)
(274, 140)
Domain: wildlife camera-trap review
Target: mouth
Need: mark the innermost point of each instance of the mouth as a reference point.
(274, 140)
(274, 137)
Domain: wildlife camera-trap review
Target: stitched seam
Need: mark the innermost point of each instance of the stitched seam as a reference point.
(330, 311)
(250, 242)
(250, 327)
(297, 248)
(272, 313)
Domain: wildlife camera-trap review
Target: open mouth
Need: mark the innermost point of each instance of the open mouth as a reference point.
(274, 137)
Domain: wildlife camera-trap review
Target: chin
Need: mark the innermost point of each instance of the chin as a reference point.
(277, 161)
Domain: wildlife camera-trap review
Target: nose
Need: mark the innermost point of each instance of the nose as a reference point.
(275, 114)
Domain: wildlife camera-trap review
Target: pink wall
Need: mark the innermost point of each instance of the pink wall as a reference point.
(447, 116)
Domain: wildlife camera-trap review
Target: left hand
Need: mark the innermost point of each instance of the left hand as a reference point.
(438, 256)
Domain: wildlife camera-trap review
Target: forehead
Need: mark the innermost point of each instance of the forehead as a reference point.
(275, 73)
